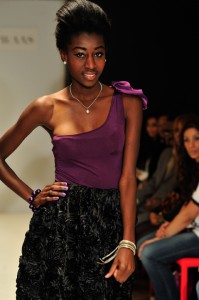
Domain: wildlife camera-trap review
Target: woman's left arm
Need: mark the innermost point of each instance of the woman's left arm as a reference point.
(128, 182)
(124, 264)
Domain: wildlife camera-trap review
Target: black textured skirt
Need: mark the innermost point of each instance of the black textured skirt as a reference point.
(65, 240)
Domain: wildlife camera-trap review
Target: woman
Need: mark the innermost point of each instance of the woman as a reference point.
(180, 237)
(95, 131)
(170, 206)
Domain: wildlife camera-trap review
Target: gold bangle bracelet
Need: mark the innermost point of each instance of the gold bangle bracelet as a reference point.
(122, 244)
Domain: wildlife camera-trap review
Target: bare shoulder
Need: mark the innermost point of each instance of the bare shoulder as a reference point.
(39, 111)
(44, 102)
(44, 105)
(49, 100)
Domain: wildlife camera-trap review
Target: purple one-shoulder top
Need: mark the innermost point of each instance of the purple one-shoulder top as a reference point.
(94, 158)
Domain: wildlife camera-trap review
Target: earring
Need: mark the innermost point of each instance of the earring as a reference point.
(65, 62)
(105, 60)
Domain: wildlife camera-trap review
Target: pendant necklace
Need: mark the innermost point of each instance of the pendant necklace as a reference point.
(87, 108)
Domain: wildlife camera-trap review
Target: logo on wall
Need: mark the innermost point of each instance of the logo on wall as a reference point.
(18, 39)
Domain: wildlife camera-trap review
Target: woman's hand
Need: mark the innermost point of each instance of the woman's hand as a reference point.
(123, 265)
(160, 233)
(51, 192)
(146, 243)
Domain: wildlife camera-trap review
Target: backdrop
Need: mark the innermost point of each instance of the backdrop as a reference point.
(30, 67)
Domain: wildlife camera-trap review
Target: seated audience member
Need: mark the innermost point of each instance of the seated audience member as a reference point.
(150, 148)
(165, 123)
(162, 187)
(170, 206)
(158, 186)
(180, 237)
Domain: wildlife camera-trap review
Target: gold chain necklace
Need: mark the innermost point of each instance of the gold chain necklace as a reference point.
(87, 108)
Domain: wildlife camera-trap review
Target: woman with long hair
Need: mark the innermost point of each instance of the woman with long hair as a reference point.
(180, 237)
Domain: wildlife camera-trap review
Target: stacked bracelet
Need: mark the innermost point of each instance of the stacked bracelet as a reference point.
(32, 199)
(123, 244)
(127, 244)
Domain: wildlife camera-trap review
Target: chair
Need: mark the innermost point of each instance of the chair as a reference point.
(186, 263)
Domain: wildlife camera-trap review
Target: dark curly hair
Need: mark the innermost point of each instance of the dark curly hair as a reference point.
(78, 16)
(188, 168)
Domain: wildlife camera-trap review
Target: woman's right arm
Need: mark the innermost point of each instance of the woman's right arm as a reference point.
(184, 218)
(38, 113)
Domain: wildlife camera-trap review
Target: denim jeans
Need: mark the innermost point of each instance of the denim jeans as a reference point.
(158, 256)
(197, 289)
